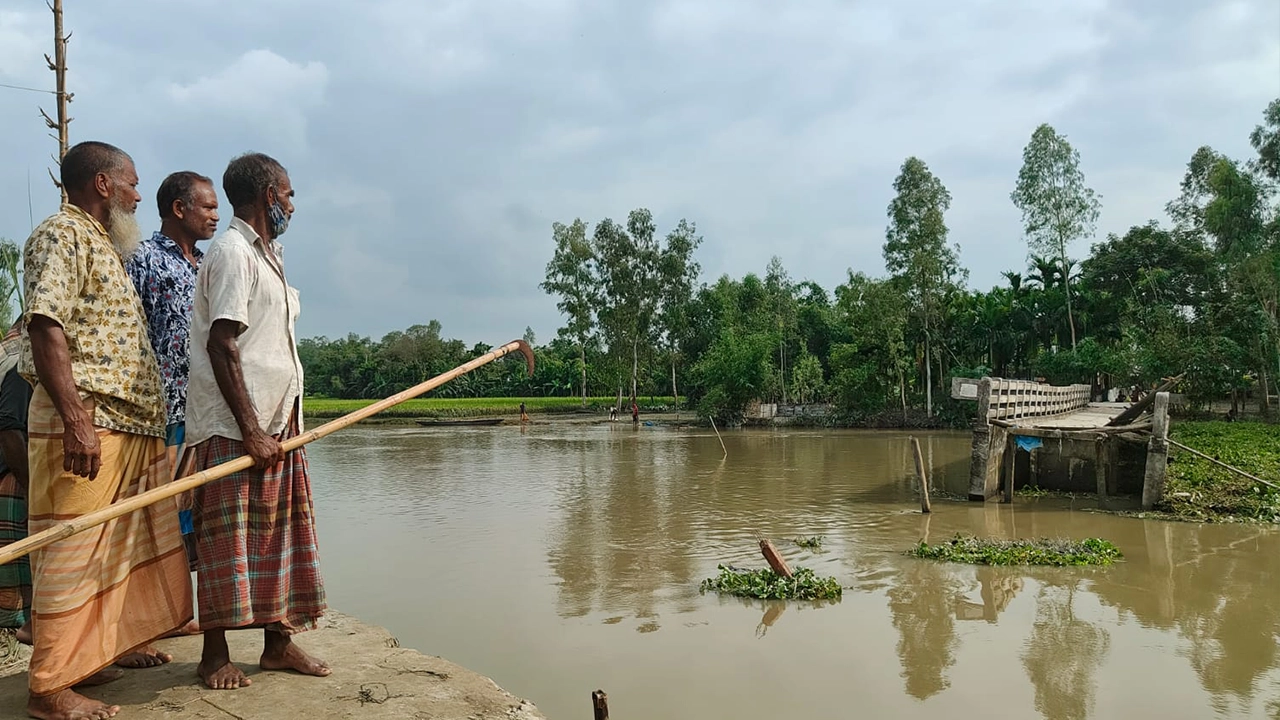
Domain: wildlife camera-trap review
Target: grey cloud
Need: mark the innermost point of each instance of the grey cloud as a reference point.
(433, 144)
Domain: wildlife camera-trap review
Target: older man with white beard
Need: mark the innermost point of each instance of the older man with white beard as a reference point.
(97, 424)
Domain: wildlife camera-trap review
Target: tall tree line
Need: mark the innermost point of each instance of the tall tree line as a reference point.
(1195, 293)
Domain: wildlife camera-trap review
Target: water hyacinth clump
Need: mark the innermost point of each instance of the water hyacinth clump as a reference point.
(767, 585)
(811, 543)
(1045, 551)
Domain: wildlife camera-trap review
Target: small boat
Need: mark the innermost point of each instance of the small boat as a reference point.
(462, 421)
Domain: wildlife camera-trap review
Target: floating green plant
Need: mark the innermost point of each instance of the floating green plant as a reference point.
(768, 585)
(1044, 551)
(812, 543)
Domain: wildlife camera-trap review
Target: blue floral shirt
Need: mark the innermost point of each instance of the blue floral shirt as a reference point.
(166, 282)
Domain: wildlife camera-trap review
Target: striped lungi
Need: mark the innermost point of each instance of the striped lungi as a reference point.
(257, 563)
(105, 591)
(15, 577)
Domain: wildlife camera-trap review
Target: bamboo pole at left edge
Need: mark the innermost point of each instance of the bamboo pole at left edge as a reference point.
(67, 528)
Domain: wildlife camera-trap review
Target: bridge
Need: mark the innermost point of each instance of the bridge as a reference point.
(1057, 437)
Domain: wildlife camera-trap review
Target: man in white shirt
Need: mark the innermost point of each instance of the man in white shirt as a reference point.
(257, 561)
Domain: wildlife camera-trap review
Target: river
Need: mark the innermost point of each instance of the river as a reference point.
(561, 558)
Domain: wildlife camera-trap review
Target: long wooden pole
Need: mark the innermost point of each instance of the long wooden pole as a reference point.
(923, 476)
(89, 520)
(713, 427)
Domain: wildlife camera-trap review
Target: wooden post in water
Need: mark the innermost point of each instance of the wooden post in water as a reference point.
(1157, 453)
(600, 705)
(774, 558)
(722, 447)
(922, 476)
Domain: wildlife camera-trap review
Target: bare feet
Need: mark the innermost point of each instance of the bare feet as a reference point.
(144, 657)
(68, 705)
(102, 677)
(288, 656)
(24, 633)
(191, 628)
(224, 677)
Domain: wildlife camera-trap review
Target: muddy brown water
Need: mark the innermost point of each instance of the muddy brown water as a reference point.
(562, 558)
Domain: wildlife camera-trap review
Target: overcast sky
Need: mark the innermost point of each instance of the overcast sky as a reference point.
(433, 143)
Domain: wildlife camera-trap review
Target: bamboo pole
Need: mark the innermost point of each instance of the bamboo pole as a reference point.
(713, 427)
(71, 527)
(923, 476)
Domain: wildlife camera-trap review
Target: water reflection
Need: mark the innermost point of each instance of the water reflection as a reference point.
(921, 605)
(623, 544)
(599, 537)
(998, 587)
(1062, 656)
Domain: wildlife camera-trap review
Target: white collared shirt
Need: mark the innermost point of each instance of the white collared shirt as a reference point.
(242, 279)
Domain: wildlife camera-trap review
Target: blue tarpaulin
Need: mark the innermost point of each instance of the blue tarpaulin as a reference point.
(1028, 443)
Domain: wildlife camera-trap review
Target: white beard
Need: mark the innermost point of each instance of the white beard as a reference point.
(122, 226)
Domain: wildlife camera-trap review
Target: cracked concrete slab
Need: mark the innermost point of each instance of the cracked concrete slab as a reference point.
(373, 678)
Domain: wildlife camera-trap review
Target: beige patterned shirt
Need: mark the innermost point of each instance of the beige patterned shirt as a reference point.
(73, 275)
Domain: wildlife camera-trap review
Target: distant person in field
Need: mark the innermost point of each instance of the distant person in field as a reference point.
(635, 412)
(258, 565)
(163, 271)
(524, 416)
(96, 422)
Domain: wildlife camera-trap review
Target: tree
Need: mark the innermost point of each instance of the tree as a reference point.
(677, 274)
(782, 308)
(571, 275)
(916, 253)
(1057, 207)
(733, 372)
(806, 379)
(873, 357)
(1265, 139)
(627, 259)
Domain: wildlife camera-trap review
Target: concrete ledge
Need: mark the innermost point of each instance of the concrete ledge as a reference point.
(373, 677)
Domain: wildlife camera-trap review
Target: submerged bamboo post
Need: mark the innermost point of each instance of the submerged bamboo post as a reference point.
(73, 526)
(922, 476)
(600, 705)
(713, 427)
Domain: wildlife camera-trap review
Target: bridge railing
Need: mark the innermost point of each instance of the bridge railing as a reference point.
(1002, 399)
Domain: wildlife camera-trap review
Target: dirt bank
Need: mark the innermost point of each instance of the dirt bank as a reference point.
(373, 677)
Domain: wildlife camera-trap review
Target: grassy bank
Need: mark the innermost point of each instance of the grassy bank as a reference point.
(1199, 490)
(315, 407)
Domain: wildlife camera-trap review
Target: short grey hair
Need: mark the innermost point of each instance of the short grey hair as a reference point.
(248, 177)
(85, 160)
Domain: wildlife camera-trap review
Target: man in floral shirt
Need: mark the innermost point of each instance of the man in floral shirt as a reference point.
(96, 436)
(163, 270)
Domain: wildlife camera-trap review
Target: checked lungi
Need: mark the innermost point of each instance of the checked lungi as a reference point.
(15, 577)
(257, 562)
(103, 592)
